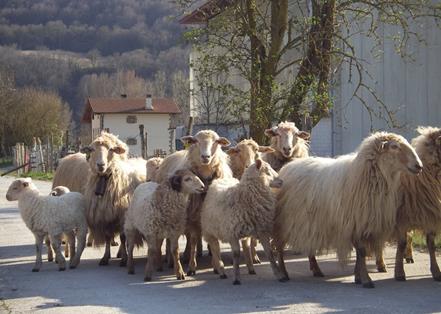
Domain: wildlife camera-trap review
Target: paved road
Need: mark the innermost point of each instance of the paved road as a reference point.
(108, 289)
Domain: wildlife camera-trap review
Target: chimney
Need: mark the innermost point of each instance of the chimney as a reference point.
(123, 95)
(148, 102)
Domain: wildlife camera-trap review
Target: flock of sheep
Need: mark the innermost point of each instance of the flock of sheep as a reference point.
(275, 194)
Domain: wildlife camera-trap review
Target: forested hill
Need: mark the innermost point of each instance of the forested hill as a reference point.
(110, 26)
(80, 48)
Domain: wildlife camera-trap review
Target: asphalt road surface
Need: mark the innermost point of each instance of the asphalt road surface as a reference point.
(109, 289)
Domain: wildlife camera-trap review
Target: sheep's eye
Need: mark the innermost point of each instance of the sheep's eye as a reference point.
(187, 179)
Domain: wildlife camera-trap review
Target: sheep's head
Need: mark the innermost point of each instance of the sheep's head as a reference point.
(187, 182)
(59, 190)
(428, 145)
(396, 154)
(284, 137)
(264, 171)
(206, 143)
(103, 150)
(152, 167)
(245, 153)
(17, 187)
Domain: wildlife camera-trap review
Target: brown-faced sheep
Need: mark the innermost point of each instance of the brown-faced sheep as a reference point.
(420, 200)
(110, 186)
(241, 157)
(159, 211)
(152, 167)
(234, 210)
(206, 159)
(288, 142)
(328, 203)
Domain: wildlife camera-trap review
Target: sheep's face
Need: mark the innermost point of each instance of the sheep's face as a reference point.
(187, 182)
(246, 152)
(100, 156)
(428, 145)
(206, 143)
(17, 187)
(285, 137)
(397, 155)
(59, 190)
(267, 174)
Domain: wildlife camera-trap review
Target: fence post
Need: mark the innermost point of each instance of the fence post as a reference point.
(43, 169)
(142, 136)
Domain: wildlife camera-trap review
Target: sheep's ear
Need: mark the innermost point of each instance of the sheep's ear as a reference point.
(118, 150)
(258, 163)
(304, 135)
(232, 151)
(25, 184)
(86, 150)
(271, 132)
(222, 141)
(176, 183)
(266, 149)
(189, 139)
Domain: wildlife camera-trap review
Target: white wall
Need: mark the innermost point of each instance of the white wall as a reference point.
(156, 126)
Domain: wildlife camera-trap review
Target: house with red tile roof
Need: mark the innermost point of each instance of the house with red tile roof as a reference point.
(123, 116)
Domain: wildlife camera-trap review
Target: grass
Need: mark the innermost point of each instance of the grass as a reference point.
(5, 162)
(39, 175)
(419, 240)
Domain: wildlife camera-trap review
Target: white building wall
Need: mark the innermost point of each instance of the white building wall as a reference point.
(156, 126)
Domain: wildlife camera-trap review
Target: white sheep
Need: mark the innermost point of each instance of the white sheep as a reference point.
(152, 166)
(53, 216)
(328, 203)
(234, 210)
(157, 212)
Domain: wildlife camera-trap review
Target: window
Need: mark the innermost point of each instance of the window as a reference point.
(131, 141)
(132, 119)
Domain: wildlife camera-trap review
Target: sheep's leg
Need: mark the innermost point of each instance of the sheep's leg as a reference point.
(379, 259)
(151, 258)
(248, 257)
(105, 259)
(38, 247)
(50, 253)
(122, 247)
(168, 254)
(159, 254)
(199, 248)
(280, 248)
(90, 239)
(70, 246)
(81, 244)
(187, 252)
(256, 259)
(193, 245)
(314, 267)
(362, 269)
(130, 246)
(66, 245)
(56, 244)
(114, 243)
(400, 275)
(216, 259)
(174, 246)
(235, 247)
(269, 254)
(434, 269)
(409, 249)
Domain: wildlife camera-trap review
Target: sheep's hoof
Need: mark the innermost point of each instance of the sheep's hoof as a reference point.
(223, 276)
(369, 285)
(50, 259)
(180, 276)
(103, 262)
(131, 272)
(256, 260)
(381, 269)
(318, 273)
(147, 278)
(89, 244)
(400, 278)
(62, 269)
(409, 260)
(35, 270)
(215, 271)
(72, 266)
(252, 272)
(114, 243)
(284, 279)
(118, 255)
(437, 277)
(191, 273)
(236, 282)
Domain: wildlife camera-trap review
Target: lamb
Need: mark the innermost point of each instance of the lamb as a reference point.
(108, 191)
(159, 211)
(328, 203)
(152, 167)
(288, 142)
(59, 190)
(206, 159)
(53, 216)
(235, 209)
(420, 201)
